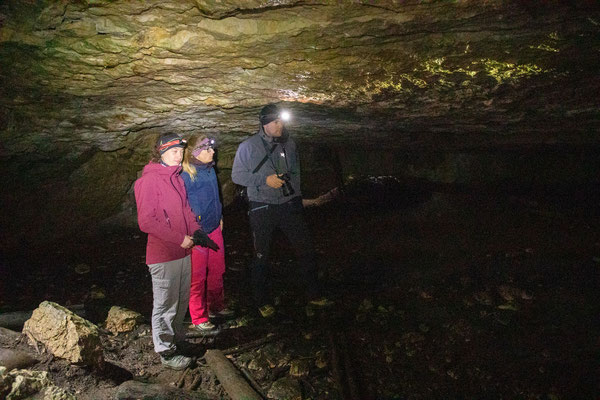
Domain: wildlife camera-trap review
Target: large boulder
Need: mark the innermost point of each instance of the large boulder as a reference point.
(65, 334)
(122, 320)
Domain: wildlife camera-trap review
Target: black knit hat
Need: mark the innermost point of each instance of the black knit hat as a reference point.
(269, 113)
(168, 141)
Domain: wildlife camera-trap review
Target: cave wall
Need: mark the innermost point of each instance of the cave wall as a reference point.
(87, 86)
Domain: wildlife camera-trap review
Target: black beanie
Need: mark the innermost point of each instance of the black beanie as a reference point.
(168, 141)
(269, 113)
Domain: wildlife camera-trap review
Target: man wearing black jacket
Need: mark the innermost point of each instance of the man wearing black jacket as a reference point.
(267, 165)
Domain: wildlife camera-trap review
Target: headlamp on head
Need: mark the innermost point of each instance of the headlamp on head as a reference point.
(169, 141)
(271, 112)
(204, 144)
(285, 115)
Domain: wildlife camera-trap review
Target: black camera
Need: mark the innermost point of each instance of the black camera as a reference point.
(287, 189)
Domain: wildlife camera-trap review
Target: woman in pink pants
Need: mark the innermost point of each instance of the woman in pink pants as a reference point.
(207, 297)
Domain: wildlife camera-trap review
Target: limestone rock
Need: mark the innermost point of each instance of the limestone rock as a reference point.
(23, 383)
(19, 384)
(65, 334)
(122, 320)
(55, 393)
(285, 389)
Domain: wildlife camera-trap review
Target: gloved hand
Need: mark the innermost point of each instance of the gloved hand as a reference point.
(201, 239)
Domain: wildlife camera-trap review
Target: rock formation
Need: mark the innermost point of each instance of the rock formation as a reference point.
(85, 87)
(65, 334)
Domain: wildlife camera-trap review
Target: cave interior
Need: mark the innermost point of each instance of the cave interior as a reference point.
(448, 151)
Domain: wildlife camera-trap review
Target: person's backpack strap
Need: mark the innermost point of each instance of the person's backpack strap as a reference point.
(264, 160)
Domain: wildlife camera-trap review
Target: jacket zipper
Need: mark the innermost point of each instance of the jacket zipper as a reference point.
(182, 202)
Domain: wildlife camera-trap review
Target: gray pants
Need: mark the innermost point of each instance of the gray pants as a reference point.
(171, 294)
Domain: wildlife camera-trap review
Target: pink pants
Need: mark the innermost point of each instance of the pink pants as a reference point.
(206, 291)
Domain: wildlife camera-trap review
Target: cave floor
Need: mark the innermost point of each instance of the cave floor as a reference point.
(438, 295)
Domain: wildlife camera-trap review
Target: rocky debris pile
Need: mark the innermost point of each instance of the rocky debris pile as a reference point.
(71, 358)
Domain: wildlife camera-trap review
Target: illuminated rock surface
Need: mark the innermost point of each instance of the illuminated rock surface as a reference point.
(85, 87)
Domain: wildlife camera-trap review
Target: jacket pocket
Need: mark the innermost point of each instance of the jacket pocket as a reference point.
(160, 293)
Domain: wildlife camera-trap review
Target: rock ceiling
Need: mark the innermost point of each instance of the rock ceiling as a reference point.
(101, 74)
(88, 83)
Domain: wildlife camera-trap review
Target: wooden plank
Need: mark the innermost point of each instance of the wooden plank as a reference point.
(233, 382)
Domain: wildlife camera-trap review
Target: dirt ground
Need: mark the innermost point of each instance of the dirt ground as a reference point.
(448, 294)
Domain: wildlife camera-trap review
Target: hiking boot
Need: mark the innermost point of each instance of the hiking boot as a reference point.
(207, 328)
(226, 313)
(267, 311)
(176, 362)
(321, 302)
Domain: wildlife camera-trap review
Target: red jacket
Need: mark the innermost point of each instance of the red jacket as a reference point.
(163, 212)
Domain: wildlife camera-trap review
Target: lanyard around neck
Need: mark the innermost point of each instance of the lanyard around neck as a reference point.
(270, 152)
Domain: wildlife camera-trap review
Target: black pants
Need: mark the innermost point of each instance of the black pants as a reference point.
(264, 219)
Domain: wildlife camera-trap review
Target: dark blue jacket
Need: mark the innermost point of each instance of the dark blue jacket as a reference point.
(203, 196)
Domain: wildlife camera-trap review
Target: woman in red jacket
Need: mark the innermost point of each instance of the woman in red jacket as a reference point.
(165, 215)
